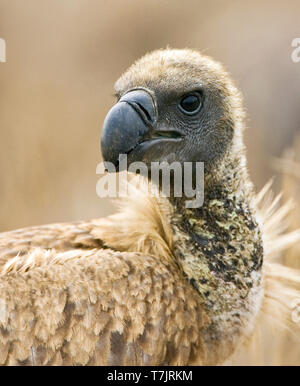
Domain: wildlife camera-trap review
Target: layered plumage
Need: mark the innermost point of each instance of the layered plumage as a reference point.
(157, 283)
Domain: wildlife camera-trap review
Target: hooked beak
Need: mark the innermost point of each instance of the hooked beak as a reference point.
(130, 128)
(129, 123)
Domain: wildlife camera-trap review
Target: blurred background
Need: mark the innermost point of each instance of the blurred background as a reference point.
(63, 57)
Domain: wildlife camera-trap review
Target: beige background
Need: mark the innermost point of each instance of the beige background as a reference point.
(63, 57)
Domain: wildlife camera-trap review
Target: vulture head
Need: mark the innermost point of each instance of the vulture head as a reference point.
(173, 106)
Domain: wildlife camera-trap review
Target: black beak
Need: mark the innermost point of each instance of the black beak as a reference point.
(128, 124)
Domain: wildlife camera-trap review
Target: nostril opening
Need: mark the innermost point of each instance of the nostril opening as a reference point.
(167, 134)
(148, 116)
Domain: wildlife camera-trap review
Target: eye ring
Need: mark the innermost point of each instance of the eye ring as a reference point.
(191, 103)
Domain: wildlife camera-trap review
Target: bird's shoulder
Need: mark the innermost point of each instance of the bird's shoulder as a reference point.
(97, 306)
(59, 236)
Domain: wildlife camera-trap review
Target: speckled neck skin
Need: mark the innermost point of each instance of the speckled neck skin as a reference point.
(219, 248)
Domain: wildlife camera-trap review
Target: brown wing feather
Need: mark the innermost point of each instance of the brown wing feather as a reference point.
(97, 307)
(62, 237)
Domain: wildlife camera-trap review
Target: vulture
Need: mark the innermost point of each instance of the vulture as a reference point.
(159, 282)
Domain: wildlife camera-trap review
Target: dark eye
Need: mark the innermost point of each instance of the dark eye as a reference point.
(190, 104)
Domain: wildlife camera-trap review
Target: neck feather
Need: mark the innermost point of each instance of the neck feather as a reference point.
(219, 249)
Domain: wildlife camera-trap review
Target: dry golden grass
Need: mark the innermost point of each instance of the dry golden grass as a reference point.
(289, 166)
(276, 340)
